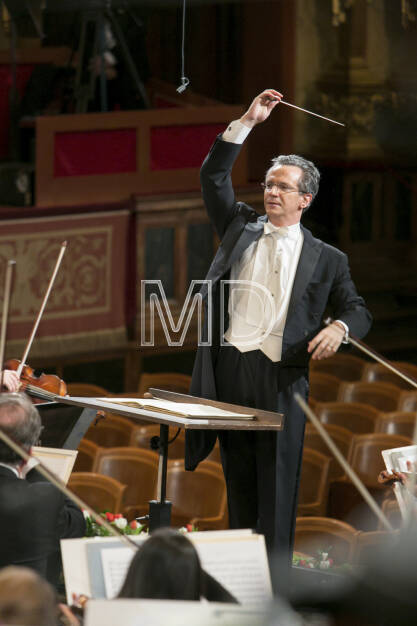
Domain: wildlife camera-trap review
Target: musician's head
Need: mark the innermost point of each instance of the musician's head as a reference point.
(19, 419)
(166, 567)
(291, 184)
(26, 598)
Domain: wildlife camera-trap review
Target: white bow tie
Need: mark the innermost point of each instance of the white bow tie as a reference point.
(280, 231)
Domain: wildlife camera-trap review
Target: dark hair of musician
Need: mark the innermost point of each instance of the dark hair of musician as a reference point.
(166, 567)
(19, 419)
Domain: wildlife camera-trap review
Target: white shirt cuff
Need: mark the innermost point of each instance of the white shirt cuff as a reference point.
(346, 327)
(236, 132)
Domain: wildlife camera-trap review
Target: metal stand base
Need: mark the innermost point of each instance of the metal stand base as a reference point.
(159, 514)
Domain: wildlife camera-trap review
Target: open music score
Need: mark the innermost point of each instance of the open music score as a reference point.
(180, 409)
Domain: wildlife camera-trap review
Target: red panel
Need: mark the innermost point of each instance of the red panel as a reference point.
(23, 74)
(95, 152)
(178, 147)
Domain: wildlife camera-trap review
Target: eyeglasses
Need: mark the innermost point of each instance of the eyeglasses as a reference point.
(281, 187)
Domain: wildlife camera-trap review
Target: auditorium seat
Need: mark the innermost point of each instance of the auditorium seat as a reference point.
(396, 423)
(323, 387)
(135, 468)
(141, 438)
(382, 396)
(354, 416)
(365, 458)
(86, 390)
(314, 483)
(408, 401)
(376, 372)
(322, 534)
(341, 437)
(110, 431)
(370, 545)
(392, 511)
(170, 381)
(197, 497)
(87, 452)
(346, 367)
(101, 493)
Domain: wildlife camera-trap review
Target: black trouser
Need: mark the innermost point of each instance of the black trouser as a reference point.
(262, 468)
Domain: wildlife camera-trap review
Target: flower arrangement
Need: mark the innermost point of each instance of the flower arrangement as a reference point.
(322, 561)
(188, 528)
(95, 529)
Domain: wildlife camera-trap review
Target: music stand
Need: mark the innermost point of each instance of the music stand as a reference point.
(63, 425)
(160, 509)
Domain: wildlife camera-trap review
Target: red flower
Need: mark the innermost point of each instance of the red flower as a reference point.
(133, 524)
(109, 517)
(117, 515)
(189, 528)
(303, 563)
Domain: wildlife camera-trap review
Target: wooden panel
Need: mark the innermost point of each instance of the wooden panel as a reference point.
(63, 191)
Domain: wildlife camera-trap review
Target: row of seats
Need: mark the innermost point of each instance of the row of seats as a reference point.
(198, 497)
(325, 489)
(115, 431)
(350, 368)
(171, 381)
(383, 396)
(347, 544)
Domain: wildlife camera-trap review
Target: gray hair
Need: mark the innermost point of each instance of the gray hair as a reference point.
(310, 177)
(20, 420)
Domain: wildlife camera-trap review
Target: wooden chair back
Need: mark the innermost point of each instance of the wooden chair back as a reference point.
(314, 534)
(346, 367)
(314, 483)
(341, 437)
(356, 417)
(110, 431)
(396, 423)
(408, 401)
(133, 467)
(382, 396)
(141, 437)
(376, 372)
(365, 454)
(87, 452)
(102, 493)
(323, 387)
(369, 545)
(171, 381)
(197, 497)
(86, 390)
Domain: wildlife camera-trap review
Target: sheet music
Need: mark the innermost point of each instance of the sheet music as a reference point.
(396, 459)
(239, 563)
(115, 564)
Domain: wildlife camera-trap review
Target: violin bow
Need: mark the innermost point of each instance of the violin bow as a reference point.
(339, 456)
(375, 355)
(64, 489)
(6, 302)
(38, 319)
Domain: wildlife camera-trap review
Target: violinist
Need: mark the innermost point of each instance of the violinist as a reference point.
(10, 380)
(34, 514)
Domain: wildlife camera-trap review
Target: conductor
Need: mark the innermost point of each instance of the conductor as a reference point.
(282, 280)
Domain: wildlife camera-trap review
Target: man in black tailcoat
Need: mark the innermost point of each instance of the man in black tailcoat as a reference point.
(269, 327)
(34, 515)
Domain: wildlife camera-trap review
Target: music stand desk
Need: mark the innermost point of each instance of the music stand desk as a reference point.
(160, 509)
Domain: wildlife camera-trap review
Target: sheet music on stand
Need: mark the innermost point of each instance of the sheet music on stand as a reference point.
(236, 558)
(396, 460)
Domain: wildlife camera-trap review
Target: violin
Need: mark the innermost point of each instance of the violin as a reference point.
(44, 387)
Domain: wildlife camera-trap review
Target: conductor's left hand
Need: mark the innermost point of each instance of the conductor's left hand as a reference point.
(326, 342)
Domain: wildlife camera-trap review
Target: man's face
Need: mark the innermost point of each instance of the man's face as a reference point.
(283, 202)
